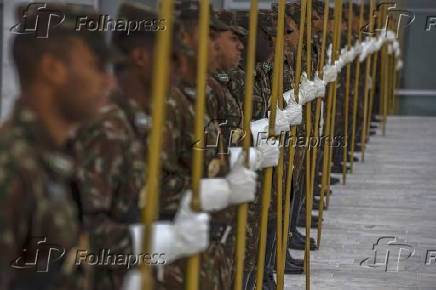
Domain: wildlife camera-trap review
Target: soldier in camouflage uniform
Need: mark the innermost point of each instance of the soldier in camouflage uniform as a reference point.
(217, 262)
(111, 153)
(39, 215)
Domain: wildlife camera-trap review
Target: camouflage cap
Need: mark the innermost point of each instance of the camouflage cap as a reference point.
(230, 19)
(63, 21)
(267, 23)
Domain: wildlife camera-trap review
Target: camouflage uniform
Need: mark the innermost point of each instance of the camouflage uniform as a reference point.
(217, 261)
(36, 203)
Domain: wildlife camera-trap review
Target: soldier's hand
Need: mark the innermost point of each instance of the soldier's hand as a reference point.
(270, 153)
(242, 183)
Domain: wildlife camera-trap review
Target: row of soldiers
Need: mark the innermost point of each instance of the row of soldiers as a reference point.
(73, 154)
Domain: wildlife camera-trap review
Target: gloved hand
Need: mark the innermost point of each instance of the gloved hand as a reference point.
(295, 113)
(242, 182)
(330, 73)
(255, 157)
(259, 130)
(188, 235)
(269, 152)
(399, 65)
(320, 86)
(283, 122)
(214, 193)
(307, 90)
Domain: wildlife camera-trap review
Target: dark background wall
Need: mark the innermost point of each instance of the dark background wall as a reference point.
(418, 80)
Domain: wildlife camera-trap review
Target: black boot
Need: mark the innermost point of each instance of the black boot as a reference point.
(298, 244)
(334, 180)
(303, 238)
(268, 280)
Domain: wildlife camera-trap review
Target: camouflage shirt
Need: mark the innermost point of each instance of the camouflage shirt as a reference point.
(36, 205)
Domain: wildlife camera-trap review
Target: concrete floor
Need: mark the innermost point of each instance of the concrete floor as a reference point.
(392, 194)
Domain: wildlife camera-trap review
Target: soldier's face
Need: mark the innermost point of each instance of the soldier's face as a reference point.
(229, 48)
(317, 22)
(85, 85)
(292, 37)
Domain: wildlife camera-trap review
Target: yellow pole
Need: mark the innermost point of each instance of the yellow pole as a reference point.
(356, 89)
(249, 82)
(280, 251)
(308, 111)
(317, 117)
(347, 95)
(366, 85)
(373, 79)
(327, 125)
(266, 189)
(384, 87)
(159, 93)
(336, 48)
(193, 265)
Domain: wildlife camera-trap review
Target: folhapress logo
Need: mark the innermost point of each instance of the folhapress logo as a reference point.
(40, 257)
(41, 21)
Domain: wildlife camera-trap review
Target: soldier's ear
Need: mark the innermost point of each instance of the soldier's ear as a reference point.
(140, 57)
(52, 70)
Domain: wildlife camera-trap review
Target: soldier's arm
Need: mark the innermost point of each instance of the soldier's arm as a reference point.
(15, 218)
(109, 186)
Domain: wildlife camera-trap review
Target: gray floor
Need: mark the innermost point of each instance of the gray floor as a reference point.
(392, 194)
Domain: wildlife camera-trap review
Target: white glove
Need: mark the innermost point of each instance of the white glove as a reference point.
(357, 49)
(283, 122)
(269, 152)
(214, 193)
(187, 236)
(132, 280)
(330, 73)
(390, 35)
(242, 182)
(259, 130)
(295, 113)
(320, 86)
(390, 49)
(255, 157)
(399, 65)
(307, 90)
(365, 50)
(396, 47)
(288, 95)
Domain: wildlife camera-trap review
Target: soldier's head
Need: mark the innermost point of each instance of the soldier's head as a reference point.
(227, 40)
(136, 47)
(65, 70)
(318, 17)
(264, 44)
(188, 14)
(292, 36)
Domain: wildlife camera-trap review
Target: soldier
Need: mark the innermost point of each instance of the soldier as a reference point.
(39, 216)
(217, 261)
(111, 152)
